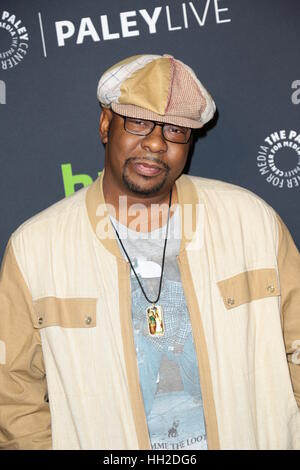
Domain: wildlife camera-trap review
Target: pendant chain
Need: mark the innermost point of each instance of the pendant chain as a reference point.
(163, 257)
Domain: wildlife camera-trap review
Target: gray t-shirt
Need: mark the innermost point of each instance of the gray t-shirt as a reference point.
(167, 362)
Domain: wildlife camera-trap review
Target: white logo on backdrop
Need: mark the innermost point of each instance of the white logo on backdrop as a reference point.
(2, 92)
(295, 96)
(14, 38)
(130, 23)
(278, 159)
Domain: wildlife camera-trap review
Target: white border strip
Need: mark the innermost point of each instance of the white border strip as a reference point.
(42, 34)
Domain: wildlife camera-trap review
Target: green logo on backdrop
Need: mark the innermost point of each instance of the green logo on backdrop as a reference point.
(70, 180)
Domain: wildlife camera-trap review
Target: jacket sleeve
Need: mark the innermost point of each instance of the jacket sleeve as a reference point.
(24, 412)
(288, 258)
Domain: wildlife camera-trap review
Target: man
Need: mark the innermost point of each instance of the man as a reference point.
(80, 281)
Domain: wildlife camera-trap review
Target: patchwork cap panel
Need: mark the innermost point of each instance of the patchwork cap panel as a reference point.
(158, 88)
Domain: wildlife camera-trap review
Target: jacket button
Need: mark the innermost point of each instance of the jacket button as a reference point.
(230, 301)
(88, 320)
(270, 288)
(40, 320)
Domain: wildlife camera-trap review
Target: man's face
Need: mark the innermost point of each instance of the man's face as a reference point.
(142, 165)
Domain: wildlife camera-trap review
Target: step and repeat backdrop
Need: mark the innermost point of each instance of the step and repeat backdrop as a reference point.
(52, 53)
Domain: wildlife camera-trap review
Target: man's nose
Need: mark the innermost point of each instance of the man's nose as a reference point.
(155, 142)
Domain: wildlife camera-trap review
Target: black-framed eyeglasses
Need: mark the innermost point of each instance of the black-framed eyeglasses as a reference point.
(143, 127)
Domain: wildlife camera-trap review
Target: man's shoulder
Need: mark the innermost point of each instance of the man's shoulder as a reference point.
(52, 216)
(224, 192)
(209, 184)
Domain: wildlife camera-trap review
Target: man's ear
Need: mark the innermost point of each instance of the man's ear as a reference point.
(104, 124)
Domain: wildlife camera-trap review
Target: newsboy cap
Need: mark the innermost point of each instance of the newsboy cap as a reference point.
(158, 88)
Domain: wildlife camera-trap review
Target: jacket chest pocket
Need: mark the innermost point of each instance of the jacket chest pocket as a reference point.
(64, 312)
(68, 330)
(248, 286)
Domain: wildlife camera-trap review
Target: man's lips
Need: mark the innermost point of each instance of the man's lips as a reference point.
(147, 169)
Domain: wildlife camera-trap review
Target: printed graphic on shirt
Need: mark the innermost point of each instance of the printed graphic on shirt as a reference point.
(167, 362)
(168, 373)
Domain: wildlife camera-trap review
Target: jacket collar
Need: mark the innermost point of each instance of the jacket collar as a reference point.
(100, 221)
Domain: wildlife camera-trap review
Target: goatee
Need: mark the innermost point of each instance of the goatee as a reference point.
(138, 189)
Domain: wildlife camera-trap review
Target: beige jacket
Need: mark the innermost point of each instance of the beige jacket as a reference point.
(66, 332)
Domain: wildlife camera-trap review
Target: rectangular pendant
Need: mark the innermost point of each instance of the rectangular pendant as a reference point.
(156, 326)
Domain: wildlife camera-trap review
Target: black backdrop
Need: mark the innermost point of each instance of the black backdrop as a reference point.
(52, 53)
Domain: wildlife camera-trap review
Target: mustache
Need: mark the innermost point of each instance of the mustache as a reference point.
(149, 159)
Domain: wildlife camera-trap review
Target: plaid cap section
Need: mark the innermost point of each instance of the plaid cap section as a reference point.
(159, 88)
(108, 90)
